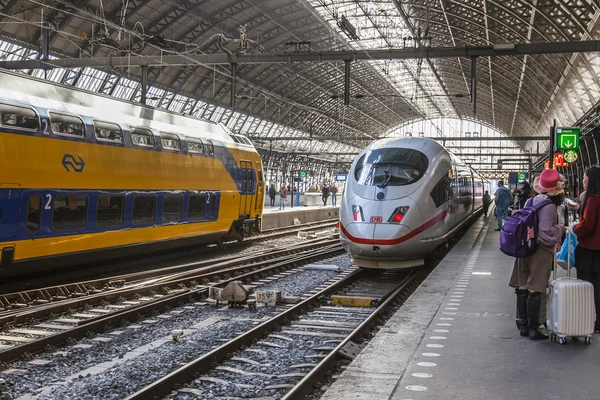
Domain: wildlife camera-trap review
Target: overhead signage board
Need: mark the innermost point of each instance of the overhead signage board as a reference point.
(567, 138)
(340, 177)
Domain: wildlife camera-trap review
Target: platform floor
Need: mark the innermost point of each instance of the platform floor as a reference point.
(455, 338)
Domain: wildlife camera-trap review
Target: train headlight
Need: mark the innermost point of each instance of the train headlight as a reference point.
(357, 213)
(398, 214)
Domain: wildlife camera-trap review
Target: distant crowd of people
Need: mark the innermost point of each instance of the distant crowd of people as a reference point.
(326, 191)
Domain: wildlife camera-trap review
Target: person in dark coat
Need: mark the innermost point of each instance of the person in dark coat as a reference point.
(525, 194)
(587, 252)
(487, 200)
(325, 193)
(272, 193)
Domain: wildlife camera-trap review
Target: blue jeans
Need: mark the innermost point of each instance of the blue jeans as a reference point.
(282, 202)
(501, 214)
(333, 199)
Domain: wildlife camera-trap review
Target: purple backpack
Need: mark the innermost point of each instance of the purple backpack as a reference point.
(518, 237)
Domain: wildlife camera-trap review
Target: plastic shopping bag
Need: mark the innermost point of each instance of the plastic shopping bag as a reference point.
(566, 256)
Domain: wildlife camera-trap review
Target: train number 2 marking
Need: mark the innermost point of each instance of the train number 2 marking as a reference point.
(376, 220)
(48, 201)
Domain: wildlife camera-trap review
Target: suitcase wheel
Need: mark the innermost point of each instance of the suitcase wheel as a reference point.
(562, 340)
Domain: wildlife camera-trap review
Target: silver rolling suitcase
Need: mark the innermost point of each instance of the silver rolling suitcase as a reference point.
(571, 311)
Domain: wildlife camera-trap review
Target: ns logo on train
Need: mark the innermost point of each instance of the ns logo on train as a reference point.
(71, 163)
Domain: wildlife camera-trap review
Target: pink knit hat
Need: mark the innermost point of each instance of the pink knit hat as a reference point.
(550, 182)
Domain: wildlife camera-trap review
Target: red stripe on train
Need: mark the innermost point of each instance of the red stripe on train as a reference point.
(390, 242)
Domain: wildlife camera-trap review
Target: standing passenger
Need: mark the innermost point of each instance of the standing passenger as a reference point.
(282, 197)
(525, 194)
(333, 191)
(530, 274)
(272, 193)
(325, 193)
(487, 200)
(587, 253)
(503, 200)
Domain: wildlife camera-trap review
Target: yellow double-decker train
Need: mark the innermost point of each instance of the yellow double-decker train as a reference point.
(86, 177)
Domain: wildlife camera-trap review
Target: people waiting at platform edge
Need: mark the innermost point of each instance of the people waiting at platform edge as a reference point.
(587, 252)
(333, 190)
(503, 199)
(325, 192)
(282, 197)
(487, 200)
(272, 193)
(530, 274)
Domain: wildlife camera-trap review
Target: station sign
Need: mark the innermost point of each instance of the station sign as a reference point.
(567, 139)
(340, 177)
(570, 156)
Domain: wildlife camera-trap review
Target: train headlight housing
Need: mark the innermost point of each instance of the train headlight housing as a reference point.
(398, 214)
(357, 213)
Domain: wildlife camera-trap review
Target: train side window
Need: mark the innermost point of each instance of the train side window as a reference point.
(212, 209)
(110, 210)
(235, 138)
(210, 147)
(196, 205)
(244, 180)
(194, 145)
(142, 137)
(19, 117)
(440, 193)
(69, 212)
(144, 209)
(66, 125)
(34, 213)
(108, 132)
(172, 208)
(170, 141)
(260, 178)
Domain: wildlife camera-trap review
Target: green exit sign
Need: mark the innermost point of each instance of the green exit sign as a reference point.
(522, 176)
(302, 174)
(567, 139)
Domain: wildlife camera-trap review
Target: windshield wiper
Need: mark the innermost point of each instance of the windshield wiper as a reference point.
(386, 180)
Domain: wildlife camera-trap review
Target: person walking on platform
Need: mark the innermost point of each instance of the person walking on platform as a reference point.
(525, 194)
(503, 199)
(325, 193)
(487, 200)
(282, 197)
(272, 193)
(587, 252)
(530, 274)
(333, 192)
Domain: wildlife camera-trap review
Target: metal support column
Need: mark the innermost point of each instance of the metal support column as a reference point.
(346, 82)
(233, 83)
(474, 85)
(144, 87)
(45, 53)
(552, 137)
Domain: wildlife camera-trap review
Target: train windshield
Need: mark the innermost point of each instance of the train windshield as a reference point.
(390, 167)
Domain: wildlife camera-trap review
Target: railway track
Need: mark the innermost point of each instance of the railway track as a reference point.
(260, 355)
(139, 295)
(69, 278)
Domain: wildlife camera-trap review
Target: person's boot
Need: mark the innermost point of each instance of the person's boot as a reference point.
(533, 313)
(522, 321)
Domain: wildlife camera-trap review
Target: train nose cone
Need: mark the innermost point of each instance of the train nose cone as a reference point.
(373, 240)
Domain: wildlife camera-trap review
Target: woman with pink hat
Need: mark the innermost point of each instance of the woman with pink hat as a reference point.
(530, 274)
(587, 253)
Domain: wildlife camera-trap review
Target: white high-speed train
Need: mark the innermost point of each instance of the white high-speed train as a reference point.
(403, 198)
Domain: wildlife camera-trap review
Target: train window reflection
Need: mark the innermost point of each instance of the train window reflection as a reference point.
(107, 131)
(34, 213)
(19, 117)
(142, 137)
(69, 212)
(172, 207)
(144, 209)
(63, 124)
(170, 141)
(195, 145)
(110, 210)
(390, 167)
(212, 210)
(211, 147)
(196, 206)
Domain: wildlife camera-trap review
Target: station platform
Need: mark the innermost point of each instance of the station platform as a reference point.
(456, 338)
(273, 217)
